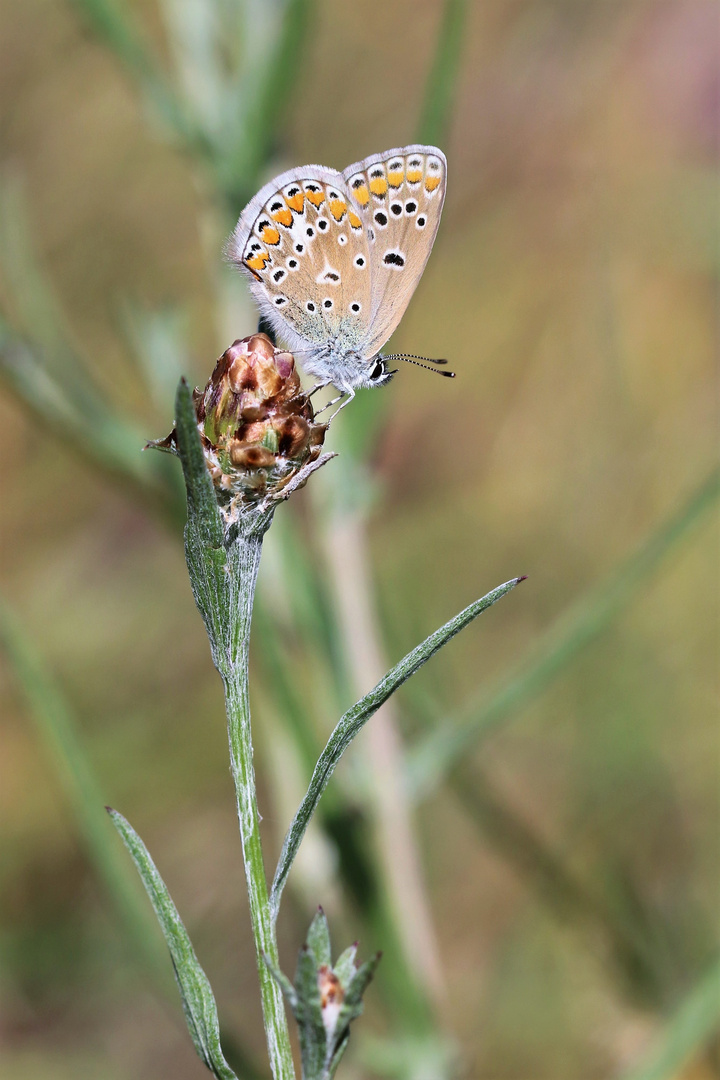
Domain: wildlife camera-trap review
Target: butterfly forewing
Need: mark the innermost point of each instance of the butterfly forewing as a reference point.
(305, 247)
(333, 258)
(399, 195)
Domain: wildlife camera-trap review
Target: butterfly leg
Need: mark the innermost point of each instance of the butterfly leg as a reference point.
(316, 387)
(349, 395)
(334, 401)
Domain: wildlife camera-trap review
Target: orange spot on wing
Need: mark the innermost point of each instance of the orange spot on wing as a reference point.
(296, 202)
(396, 178)
(362, 195)
(431, 182)
(354, 220)
(269, 235)
(378, 186)
(338, 209)
(317, 198)
(413, 175)
(258, 261)
(283, 217)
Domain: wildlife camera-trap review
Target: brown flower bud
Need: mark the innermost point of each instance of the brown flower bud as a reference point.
(256, 425)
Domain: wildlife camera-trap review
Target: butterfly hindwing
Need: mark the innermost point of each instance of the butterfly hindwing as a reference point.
(399, 195)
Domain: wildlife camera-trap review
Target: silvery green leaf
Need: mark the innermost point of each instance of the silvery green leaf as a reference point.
(318, 939)
(311, 1029)
(354, 720)
(358, 986)
(197, 996)
(204, 538)
(338, 1052)
(345, 966)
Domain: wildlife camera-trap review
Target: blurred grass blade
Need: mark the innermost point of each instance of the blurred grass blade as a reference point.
(442, 79)
(36, 309)
(355, 718)
(113, 23)
(57, 729)
(197, 996)
(695, 1024)
(99, 437)
(158, 340)
(436, 755)
(265, 103)
(197, 30)
(564, 894)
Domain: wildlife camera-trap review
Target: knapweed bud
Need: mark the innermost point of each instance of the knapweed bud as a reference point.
(325, 998)
(256, 425)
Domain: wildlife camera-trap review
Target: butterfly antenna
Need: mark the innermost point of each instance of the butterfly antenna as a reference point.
(413, 355)
(410, 358)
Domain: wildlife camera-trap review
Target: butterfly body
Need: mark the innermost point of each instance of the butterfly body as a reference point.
(334, 258)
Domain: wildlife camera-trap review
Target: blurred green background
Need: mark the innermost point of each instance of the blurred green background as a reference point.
(570, 861)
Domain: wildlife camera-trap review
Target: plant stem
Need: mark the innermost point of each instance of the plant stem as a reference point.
(232, 663)
(394, 828)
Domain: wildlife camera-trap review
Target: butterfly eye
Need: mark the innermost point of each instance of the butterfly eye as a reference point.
(377, 372)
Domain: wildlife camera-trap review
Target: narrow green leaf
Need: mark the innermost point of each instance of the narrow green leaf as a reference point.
(695, 1024)
(197, 996)
(344, 966)
(431, 760)
(318, 939)
(203, 512)
(311, 1029)
(204, 539)
(359, 984)
(442, 79)
(355, 718)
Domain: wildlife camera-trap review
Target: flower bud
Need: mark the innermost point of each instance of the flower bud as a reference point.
(256, 424)
(325, 997)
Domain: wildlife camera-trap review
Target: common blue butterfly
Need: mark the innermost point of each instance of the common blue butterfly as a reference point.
(334, 258)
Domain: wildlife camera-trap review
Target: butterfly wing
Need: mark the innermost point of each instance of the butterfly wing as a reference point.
(399, 195)
(304, 247)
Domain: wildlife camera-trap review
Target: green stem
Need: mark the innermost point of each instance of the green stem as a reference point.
(233, 663)
(223, 566)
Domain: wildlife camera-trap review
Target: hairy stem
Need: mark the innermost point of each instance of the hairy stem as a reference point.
(232, 662)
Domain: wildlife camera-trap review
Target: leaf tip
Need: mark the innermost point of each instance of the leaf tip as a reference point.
(523, 577)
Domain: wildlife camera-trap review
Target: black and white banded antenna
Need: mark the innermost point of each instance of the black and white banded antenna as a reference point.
(412, 358)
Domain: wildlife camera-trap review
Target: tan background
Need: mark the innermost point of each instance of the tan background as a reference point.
(572, 287)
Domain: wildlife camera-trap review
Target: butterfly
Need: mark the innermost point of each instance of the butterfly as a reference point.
(333, 258)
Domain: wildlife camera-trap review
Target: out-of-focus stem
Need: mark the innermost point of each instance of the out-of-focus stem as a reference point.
(348, 559)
